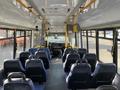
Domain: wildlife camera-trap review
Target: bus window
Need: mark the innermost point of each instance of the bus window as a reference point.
(92, 47)
(105, 47)
(6, 45)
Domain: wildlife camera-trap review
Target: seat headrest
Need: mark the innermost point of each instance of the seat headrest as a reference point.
(73, 56)
(33, 50)
(90, 56)
(17, 81)
(81, 68)
(12, 66)
(68, 50)
(106, 67)
(24, 54)
(34, 63)
(40, 54)
(16, 75)
(82, 50)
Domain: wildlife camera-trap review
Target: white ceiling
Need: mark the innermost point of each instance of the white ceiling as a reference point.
(10, 14)
(107, 14)
(55, 10)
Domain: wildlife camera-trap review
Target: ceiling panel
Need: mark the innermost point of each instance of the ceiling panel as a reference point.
(11, 14)
(105, 15)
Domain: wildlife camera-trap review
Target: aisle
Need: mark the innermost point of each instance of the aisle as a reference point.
(56, 76)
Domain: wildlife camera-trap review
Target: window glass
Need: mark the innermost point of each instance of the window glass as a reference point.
(101, 33)
(109, 34)
(119, 52)
(6, 46)
(105, 47)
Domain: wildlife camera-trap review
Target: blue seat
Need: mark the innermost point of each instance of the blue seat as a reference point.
(23, 57)
(18, 81)
(82, 52)
(79, 76)
(47, 51)
(70, 59)
(35, 70)
(104, 74)
(66, 51)
(43, 56)
(12, 66)
(91, 59)
(32, 51)
(116, 81)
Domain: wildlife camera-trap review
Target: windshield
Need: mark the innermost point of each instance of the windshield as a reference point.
(56, 39)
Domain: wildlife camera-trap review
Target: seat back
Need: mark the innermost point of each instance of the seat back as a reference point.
(12, 66)
(17, 81)
(82, 52)
(47, 51)
(23, 57)
(66, 51)
(32, 51)
(107, 87)
(91, 59)
(104, 73)
(70, 59)
(35, 70)
(79, 76)
(43, 56)
(116, 81)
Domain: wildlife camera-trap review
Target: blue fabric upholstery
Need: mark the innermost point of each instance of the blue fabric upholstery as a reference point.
(104, 74)
(35, 70)
(43, 56)
(12, 66)
(70, 59)
(32, 51)
(66, 51)
(23, 57)
(91, 59)
(47, 51)
(15, 81)
(82, 52)
(79, 76)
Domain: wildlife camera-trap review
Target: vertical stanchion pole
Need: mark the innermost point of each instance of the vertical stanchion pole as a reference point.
(87, 41)
(97, 44)
(66, 35)
(24, 47)
(115, 46)
(75, 38)
(31, 39)
(81, 39)
(14, 44)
